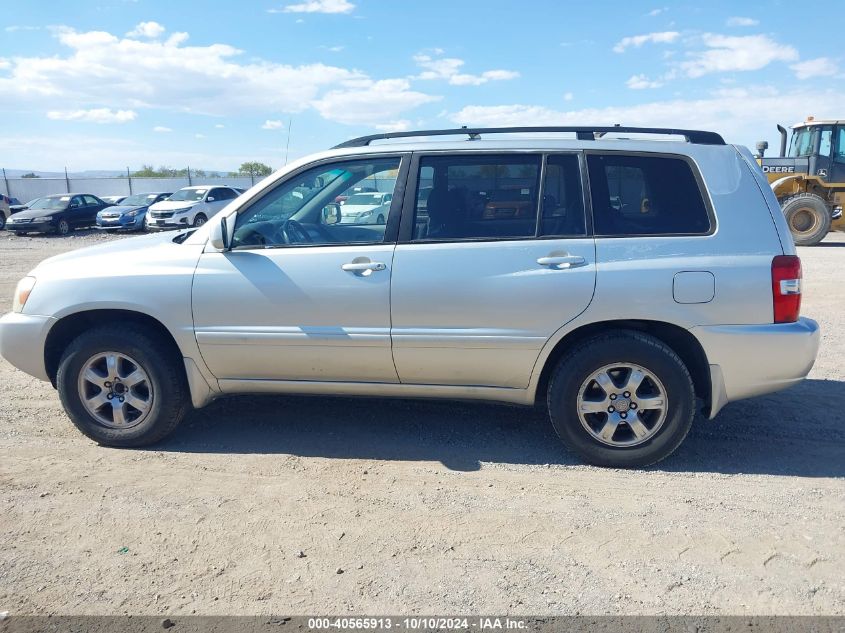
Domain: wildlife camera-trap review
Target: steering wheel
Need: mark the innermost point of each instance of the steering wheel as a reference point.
(291, 231)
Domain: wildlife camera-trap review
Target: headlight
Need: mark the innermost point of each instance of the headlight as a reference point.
(43, 218)
(178, 211)
(131, 214)
(22, 291)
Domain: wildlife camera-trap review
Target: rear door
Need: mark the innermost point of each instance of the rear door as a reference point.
(495, 255)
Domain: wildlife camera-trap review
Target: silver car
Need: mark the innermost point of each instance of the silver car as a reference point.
(627, 284)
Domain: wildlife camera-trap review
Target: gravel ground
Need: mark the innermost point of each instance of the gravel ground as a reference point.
(314, 505)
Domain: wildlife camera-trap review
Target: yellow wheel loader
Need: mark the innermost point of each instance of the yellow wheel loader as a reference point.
(808, 178)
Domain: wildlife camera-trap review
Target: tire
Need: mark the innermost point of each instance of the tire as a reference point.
(659, 431)
(2, 221)
(63, 228)
(808, 218)
(164, 388)
(199, 220)
(20, 233)
(380, 219)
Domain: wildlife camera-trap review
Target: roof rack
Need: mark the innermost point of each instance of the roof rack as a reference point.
(582, 133)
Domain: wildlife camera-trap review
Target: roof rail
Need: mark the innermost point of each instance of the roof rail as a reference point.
(583, 133)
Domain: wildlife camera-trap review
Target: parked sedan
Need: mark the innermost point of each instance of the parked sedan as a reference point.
(18, 206)
(190, 206)
(57, 214)
(366, 208)
(129, 215)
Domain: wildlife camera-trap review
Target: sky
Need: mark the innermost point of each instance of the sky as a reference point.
(106, 84)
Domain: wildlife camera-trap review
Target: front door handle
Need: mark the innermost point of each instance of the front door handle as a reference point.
(562, 262)
(363, 268)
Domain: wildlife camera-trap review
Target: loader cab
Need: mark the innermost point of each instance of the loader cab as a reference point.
(822, 144)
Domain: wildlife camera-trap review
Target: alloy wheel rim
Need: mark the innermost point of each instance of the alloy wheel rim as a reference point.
(622, 405)
(115, 390)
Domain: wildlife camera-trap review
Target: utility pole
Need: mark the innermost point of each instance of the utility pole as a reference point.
(287, 145)
(129, 178)
(189, 175)
(67, 181)
(6, 180)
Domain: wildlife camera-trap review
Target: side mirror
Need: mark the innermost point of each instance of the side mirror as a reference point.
(218, 234)
(73, 205)
(331, 213)
(210, 199)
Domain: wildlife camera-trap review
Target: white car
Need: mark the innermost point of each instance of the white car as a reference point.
(190, 206)
(366, 208)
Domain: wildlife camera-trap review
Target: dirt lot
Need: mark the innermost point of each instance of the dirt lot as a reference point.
(307, 505)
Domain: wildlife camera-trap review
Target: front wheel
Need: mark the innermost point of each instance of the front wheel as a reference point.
(808, 218)
(622, 399)
(200, 220)
(121, 386)
(63, 228)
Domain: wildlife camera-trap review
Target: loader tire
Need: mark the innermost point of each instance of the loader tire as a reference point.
(808, 218)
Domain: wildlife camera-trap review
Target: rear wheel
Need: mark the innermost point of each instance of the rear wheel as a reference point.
(808, 218)
(200, 219)
(121, 386)
(2, 221)
(622, 399)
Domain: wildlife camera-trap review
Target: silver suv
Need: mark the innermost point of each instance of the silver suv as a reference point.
(625, 283)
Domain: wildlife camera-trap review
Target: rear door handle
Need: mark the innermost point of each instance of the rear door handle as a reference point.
(562, 262)
(363, 267)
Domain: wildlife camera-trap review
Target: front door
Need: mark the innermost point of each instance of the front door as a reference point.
(491, 262)
(301, 296)
(837, 168)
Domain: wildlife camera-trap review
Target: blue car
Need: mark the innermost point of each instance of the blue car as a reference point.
(129, 215)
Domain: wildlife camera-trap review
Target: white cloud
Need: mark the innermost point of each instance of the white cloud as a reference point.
(655, 12)
(641, 82)
(272, 125)
(318, 6)
(167, 74)
(219, 126)
(5, 63)
(394, 126)
(733, 112)
(95, 115)
(19, 27)
(199, 135)
(448, 68)
(568, 96)
(161, 128)
(736, 53)
(740, 21)
(635, 41)
(151, 30)
(819, 67)
(371, 102)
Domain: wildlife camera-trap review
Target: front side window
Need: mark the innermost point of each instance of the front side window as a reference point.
(303, 209)
(803, 142)
(476, 197)
(645, 195)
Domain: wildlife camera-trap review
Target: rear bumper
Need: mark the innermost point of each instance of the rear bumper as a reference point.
(750, 360)
(22, 338)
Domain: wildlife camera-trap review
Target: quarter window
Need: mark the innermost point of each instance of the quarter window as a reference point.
(563, 201)
(476, 197)
(645, 195)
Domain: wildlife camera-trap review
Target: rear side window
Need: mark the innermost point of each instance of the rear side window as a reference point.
(645, 195)
(476, 197)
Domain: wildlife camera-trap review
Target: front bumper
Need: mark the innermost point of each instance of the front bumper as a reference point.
(120, 224)
(167, 224)
(30, 227)
(22, 339)
(751, 360)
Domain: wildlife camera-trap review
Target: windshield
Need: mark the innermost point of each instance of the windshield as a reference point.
(803, 142)
(59, 202)
(188, 194)
(139, 199)
(365, 198)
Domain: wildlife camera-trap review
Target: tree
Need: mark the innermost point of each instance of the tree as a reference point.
(31, 175)
(254, 168)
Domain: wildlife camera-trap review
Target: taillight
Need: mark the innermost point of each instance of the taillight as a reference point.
(786, 288)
